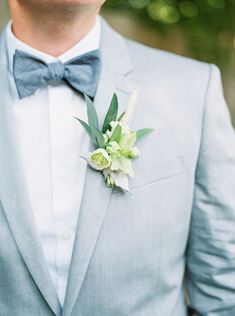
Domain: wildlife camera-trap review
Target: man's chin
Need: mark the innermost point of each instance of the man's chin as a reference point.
(60, 3)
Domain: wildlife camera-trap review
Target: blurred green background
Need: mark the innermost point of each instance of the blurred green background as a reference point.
(202, 29)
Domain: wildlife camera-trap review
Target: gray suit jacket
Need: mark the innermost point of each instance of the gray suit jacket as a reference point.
(132, 251)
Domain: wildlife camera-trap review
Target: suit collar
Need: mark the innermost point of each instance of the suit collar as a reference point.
(3, 50)
(114, 50)
(14, 194)
(116, 66)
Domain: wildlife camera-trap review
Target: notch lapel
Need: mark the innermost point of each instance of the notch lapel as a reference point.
(96, 195)
(14, 195)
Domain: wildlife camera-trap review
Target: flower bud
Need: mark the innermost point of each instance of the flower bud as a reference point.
(108, 175)
(130, 153)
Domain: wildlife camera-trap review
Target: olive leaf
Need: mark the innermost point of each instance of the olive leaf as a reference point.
(141, 133)
(121, 116)
(88, 129)
(111, 114)
(91, 114)
(117, 133)
(100, 139)
(92, 127)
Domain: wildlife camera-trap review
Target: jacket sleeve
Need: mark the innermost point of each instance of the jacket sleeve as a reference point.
(210, 258)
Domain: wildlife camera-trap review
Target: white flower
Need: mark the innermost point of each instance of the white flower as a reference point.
(130, 153)
(98, 159)
(128, 139)
(122, 164)
(118, 179)
(116, 145)
(113, 124)
(113, 148)
(121, 180)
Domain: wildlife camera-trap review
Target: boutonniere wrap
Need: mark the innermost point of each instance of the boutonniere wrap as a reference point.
(115, 143)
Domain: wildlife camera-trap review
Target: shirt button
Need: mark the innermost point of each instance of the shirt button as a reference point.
(65, 235)
(59, 115)
(63, 175)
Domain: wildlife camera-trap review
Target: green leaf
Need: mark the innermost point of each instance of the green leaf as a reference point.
(99, 139)
(95, 135)
(117, 133)
(91, 114)
(111, 114)
(143, 132)
(88, 129)
(121, 116)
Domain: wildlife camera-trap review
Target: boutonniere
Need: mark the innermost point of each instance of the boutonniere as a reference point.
(115, 143)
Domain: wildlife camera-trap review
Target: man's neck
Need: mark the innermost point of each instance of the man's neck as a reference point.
(52, 32)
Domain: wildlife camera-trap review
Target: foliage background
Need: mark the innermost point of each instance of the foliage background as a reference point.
(202, 29)
(208, 26)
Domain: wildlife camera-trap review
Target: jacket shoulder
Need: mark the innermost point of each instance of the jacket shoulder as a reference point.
(150, 59)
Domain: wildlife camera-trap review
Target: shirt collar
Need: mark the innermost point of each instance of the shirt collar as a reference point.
(90, 42)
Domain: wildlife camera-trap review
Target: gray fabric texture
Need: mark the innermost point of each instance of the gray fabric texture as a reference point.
(131, 251)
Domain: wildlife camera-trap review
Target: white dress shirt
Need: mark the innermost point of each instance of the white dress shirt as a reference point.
(51, 141)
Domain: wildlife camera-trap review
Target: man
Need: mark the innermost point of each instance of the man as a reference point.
(71, 246)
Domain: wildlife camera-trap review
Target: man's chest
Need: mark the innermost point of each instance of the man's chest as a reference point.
(50, 142)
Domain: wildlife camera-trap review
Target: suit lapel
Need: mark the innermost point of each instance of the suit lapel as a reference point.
(96, 197)
(14, 195)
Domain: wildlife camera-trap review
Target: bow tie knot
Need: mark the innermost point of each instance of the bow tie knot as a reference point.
(56, 71)
(80, 73)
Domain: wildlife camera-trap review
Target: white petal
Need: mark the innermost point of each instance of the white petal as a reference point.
(121, 180)
(126, 167)
(115, 165)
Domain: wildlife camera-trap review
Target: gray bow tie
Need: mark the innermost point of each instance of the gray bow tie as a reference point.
(81, 73)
